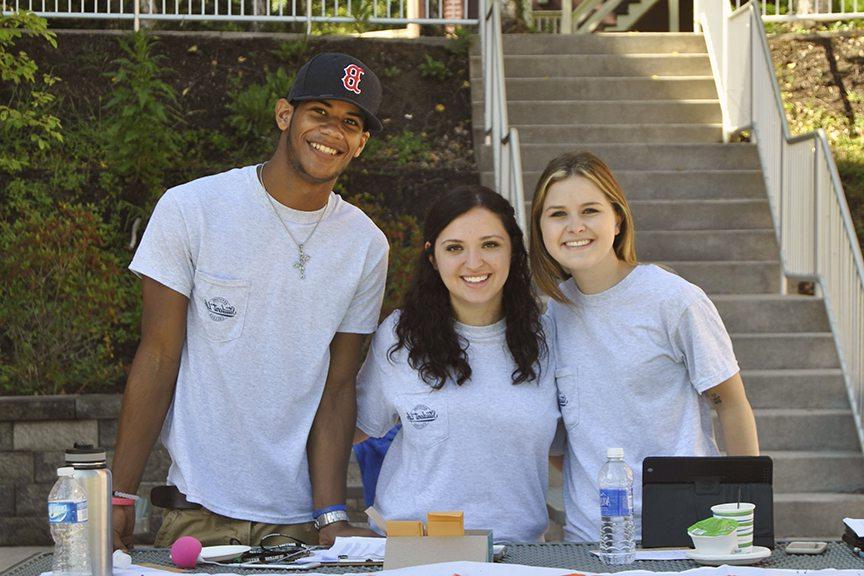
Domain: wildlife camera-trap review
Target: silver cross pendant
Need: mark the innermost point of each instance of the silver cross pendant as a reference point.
(302, 259)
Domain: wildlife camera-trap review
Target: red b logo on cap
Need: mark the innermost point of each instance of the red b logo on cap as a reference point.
(352, 77)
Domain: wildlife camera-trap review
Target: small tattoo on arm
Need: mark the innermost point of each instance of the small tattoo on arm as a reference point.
(715, 399)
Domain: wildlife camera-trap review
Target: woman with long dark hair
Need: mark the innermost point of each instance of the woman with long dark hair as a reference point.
(465, 366)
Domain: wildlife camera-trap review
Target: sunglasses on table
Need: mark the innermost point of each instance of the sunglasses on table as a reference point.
(276, 548)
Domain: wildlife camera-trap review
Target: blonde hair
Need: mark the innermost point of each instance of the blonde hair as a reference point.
(547, 272)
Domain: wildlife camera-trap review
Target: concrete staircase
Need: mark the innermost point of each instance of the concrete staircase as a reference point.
(647, 105)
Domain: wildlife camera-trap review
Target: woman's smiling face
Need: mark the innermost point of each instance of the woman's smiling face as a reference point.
(472, 255)
(579, 225)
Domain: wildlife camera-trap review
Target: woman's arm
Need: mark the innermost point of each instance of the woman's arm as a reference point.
(736, 417)
(359, 436)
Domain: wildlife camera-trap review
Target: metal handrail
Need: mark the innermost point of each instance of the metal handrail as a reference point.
(391, 13)
(787, 11)
(504, 139)
(811, 217)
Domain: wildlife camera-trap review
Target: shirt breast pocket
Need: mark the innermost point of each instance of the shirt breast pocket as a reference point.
(567, 381)
(425, 419)
(219, 306)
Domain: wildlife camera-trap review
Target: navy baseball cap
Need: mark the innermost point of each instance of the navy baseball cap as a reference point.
(335, 76)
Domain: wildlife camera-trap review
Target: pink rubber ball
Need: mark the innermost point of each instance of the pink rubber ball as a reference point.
(185, 552)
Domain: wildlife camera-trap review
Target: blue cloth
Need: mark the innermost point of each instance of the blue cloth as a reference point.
(370, 455)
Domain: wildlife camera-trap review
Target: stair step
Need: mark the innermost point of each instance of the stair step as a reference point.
(701, 208)
(581, 134)
(669, 184)
(723, 245)
(767, 313)
(644, 156)
(557, 112)
(701, 214)
(819, 471)
(822, 388)
(813, 515)
(600, 43)
(574, 65)
(804, 430)
(755, 277)
(771, 351)
(605, 88)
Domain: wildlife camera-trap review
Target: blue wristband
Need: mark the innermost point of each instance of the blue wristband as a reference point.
(333, 508)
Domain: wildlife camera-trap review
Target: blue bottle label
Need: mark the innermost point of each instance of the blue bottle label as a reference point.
(67, 512)
(614, 502)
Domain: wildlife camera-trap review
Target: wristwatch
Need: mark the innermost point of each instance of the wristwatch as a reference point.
(331, 517)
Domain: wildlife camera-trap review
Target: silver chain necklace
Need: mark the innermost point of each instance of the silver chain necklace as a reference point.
(302, 257)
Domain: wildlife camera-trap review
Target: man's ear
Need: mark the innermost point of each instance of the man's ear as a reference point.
(363, 139)
(284, 110)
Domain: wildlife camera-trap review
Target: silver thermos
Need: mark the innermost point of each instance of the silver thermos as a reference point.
(91, 470)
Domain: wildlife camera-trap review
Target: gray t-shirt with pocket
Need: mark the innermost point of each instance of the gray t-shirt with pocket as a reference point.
(257, 353)
(482, 447)
(632, 364)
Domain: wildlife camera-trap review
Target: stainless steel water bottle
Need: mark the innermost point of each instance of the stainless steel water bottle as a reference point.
(91, 470)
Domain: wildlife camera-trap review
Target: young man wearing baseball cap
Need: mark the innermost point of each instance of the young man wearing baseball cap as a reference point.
(259, 286)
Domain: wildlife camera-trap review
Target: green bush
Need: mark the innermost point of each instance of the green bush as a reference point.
(460, 43)
(406, 147)
(27, 126)
(406, 239)
(434, 69)
(293, 50)
(251, 108)
(141, 137)
(66, 304)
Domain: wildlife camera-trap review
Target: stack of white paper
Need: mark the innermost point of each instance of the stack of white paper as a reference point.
(353, 549)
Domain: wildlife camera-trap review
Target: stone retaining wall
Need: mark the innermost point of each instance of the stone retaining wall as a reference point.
(34, 433)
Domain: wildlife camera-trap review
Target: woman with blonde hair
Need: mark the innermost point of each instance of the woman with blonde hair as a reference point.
(641, 353)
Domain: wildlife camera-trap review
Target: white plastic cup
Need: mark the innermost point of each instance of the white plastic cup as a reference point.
(743, 514)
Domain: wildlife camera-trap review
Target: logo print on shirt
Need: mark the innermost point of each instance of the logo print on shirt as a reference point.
(352, 77)
(562, 399)
(219, 309)
(421, 415)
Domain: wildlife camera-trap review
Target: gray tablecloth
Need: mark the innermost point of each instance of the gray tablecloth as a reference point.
(554, 555)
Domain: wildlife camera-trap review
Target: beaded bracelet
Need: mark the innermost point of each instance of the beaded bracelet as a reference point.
(125, 495)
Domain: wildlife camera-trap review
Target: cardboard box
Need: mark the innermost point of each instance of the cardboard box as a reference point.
(403, 528)
(474, 546)
(445, 524)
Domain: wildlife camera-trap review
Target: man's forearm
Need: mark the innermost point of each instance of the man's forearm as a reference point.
(149, 391)
(329, 446)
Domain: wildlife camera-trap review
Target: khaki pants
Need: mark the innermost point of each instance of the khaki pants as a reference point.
(214, 530)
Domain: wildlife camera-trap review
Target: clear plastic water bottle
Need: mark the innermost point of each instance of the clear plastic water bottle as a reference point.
(616, 509)
(67, 516)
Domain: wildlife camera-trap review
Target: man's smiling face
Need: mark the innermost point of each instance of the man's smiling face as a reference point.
(323, 137)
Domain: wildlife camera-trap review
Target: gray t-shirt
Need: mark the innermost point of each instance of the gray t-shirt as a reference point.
(632, 363)
(482, 447)
(256, 355)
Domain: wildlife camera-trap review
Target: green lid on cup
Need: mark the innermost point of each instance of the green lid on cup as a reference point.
(713, 527)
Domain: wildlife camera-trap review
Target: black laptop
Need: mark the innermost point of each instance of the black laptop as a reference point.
(679, 491)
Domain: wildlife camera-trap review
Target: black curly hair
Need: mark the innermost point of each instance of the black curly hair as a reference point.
(426, 325)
